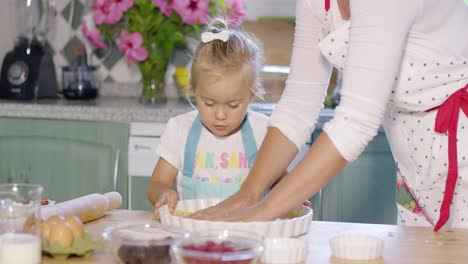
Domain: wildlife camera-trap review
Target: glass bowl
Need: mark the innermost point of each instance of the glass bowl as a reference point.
(218, 247)
(142, 243)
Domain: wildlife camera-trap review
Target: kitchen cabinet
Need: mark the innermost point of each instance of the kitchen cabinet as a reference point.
(138, 199)
(364, 192)
(68, 158)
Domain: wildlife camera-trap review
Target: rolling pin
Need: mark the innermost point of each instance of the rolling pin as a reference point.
(87, 208)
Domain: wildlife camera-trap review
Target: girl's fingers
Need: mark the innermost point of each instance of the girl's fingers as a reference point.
(162, 201)
(172, 201)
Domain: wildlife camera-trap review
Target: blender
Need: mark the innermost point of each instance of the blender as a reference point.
(28, 71)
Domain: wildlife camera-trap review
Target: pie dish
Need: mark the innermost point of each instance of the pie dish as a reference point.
(295, 223)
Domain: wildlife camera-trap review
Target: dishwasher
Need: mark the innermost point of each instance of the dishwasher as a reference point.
(143, 141)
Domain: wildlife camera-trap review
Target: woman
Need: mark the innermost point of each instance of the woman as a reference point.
(403, 62)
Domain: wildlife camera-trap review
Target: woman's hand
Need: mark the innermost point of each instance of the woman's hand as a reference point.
(222, 210)
(255, 212)
(168, 197)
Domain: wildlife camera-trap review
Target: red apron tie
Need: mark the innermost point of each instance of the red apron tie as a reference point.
(327, 5)
(447, 121)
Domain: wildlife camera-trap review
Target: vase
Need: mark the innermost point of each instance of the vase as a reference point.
(153, 84)
(153, 91)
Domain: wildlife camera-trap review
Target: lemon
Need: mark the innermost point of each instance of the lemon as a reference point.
(181, 77)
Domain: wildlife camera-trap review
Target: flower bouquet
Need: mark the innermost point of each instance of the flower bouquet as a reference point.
(147, 31)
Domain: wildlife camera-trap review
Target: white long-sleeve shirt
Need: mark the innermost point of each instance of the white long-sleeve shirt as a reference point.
(383, 35)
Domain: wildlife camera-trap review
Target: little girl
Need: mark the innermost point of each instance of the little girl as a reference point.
(208, 153)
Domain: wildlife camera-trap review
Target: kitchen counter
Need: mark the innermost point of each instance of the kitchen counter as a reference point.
(113, 109)
(401, 244)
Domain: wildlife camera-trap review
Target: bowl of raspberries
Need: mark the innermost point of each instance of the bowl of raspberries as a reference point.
(218, 247)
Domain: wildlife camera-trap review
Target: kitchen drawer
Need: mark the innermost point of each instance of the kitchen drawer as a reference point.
(142, 155)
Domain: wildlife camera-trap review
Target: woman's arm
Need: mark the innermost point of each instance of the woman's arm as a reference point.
(377, 42)
(294, 117)
(321, 163)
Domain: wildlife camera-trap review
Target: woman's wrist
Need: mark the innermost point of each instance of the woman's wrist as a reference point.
(249, 195)
(265, 212)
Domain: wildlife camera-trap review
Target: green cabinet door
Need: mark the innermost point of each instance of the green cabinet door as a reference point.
(138, 198)
(364, 191)
(68, 158)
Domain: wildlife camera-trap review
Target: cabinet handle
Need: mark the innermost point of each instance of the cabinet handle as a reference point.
(116, 168)
(137, 147)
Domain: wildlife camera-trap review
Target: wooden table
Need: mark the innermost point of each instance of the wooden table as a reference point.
(401, 244)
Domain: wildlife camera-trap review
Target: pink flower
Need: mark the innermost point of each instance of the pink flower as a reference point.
(93, 35)
(164, 5)
(124, 5)
(192, 11)
(107, 11)
(235, 13)
(130, 45)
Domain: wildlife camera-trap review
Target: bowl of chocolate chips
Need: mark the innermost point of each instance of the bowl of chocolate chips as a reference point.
(142, 243)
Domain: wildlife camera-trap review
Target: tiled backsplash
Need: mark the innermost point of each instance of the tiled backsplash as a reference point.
(66, 38)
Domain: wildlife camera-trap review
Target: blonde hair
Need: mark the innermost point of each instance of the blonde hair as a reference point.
(241, 53)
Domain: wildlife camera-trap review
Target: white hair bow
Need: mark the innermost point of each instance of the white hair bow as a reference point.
(210, 36)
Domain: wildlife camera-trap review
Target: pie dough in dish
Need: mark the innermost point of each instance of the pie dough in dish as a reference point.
(295, 223)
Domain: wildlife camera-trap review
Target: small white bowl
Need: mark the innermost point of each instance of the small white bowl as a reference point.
(356, 246)
(285, 250)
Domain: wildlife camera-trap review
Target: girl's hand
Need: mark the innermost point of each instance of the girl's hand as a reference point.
(170, 198)
(222, 210)
(307, 203)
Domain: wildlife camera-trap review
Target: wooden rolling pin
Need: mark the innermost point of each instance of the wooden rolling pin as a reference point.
(87, 208)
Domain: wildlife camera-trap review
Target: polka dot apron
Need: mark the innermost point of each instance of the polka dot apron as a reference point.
(426, 124)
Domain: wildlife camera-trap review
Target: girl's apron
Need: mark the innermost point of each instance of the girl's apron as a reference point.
(426, 120)
(195, 189)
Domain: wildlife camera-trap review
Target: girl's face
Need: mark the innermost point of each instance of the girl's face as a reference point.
(222, 102)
